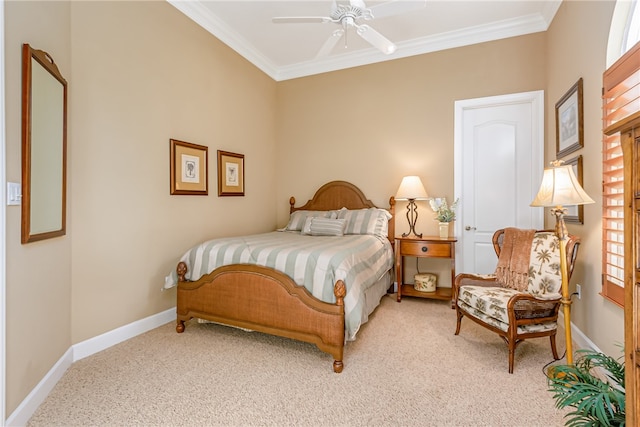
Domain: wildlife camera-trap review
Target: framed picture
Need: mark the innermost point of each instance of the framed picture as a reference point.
(575, 213)
(188, 168)
(230, 174)
(569, 121)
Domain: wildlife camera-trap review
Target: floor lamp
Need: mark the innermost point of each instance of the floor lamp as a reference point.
(560, 188)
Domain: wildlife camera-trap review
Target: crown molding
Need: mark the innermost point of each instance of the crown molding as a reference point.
(482, 33)
(207, 20)
(549, 11)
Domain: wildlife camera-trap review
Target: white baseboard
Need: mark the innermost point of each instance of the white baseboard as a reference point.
(27, 408)
(578, 337)
(582, 341)
(123, 333)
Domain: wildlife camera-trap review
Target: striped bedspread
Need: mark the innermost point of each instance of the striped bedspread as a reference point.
(315, 262)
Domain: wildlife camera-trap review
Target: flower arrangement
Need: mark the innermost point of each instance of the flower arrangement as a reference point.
(444, 212)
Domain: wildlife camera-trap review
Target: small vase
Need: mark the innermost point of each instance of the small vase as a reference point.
(444, 230)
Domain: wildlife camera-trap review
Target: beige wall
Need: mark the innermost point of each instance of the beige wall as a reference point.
(38, 275)
(377, 123)
(159, 76)
(140, 73)
(576, 47)
(372, 125)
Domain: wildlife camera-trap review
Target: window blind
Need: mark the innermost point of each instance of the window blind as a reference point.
(620, 99)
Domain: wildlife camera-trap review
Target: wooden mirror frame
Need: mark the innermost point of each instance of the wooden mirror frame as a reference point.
(44, 147)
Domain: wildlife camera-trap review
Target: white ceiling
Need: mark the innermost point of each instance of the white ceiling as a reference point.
(286, 51)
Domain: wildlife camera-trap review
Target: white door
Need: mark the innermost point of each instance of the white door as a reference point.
(499, 143)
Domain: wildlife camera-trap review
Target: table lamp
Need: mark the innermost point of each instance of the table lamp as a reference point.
(411, 189)
(560, 188)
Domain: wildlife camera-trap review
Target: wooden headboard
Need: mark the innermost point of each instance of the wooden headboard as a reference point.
(343, 194)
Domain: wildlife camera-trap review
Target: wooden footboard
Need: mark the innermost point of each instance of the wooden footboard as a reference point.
(265, 300)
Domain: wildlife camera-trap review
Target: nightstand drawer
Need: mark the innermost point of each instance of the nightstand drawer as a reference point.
(421, 249)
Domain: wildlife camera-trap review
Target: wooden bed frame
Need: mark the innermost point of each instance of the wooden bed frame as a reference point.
(265, 300)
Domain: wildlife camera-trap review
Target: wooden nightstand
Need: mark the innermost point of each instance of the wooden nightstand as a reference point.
(424, 247)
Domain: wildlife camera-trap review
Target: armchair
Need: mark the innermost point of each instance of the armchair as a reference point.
(521, 300)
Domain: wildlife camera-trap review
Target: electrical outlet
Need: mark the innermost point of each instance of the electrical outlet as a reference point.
(579, 291)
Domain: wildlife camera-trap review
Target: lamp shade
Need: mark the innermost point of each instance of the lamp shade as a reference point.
(411, 188)
(560, 187)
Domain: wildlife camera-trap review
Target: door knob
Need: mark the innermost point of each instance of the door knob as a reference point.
(469, 228)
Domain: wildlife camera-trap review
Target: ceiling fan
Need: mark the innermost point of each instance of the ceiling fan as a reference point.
(349, 15)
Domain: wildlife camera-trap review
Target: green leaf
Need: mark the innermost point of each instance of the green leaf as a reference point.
(593, 386)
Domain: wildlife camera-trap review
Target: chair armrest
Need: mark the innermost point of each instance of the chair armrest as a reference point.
(471, 280)
(474, 277)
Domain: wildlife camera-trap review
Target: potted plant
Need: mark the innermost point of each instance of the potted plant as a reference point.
(594, 386)
(445, 214)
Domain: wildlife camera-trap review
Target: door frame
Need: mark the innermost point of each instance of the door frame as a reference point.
(536, 99)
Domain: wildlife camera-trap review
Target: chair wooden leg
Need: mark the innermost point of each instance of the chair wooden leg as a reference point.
(554, 350)
(459, 315)
(512, 354)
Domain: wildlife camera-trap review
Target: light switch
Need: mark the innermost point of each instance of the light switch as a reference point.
(14, 193)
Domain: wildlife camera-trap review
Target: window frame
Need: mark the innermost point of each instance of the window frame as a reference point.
(620, 101)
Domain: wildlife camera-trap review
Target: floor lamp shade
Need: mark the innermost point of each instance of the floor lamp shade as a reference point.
(560, 188)
(411, 189)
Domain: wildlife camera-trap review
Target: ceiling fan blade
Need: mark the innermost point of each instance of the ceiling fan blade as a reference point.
(301, 20)
(334, 6)
(396, 7)
(331, 42)
(358, 3)
(376, 39)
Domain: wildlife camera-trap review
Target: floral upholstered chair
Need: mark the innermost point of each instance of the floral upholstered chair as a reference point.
(521, 300)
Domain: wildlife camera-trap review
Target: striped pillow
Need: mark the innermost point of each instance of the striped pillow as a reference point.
(297, 218)
(366, 221)
(324, 226)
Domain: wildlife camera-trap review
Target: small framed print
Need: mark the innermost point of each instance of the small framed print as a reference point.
(569, 121)
(188, 168)
(575, 213)
(230, 174)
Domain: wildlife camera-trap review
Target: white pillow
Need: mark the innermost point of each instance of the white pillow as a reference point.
(316, 226)
(297, 218)
(366, 221)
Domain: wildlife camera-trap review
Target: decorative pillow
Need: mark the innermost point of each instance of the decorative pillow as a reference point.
(316, 226)
(366, 221)
(334, 213)
(297, 218)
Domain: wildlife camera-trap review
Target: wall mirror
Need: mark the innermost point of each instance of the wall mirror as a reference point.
(44, 147)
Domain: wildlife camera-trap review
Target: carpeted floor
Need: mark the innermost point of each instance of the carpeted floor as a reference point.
(406, 368)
